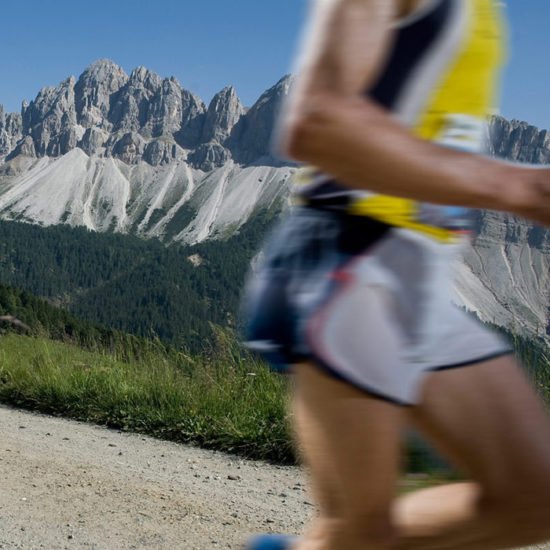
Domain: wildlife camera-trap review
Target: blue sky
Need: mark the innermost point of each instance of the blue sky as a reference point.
(208, 44)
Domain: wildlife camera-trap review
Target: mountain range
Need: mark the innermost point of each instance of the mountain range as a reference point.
(139, 154)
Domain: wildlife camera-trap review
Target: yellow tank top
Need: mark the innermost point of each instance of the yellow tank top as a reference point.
(441, 80)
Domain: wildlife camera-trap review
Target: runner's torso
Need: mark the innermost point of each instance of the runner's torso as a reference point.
(441, 81)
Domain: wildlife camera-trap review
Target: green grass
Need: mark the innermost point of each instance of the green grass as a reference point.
(227, 401)
(229, 405)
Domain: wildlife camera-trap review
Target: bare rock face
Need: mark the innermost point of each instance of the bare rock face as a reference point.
(165, 110)
(209, 156)
(141, 117)
(252, 137)
(51, 120)
(192, 120)
(223, 113)
(11, 127)
(129, 111)
(93, 92)
(505, 277)
(25, 147)
(129, 148)
(161, 151)
(93, 141)
(518, 141)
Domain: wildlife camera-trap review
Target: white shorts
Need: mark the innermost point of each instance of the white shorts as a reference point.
(368, 303)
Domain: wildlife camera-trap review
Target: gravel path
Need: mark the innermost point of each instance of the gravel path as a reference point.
(69, 485)
(65, 484)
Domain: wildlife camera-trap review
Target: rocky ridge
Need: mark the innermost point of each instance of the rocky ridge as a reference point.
(505, 277)
(140, 154)
(139, 117)
(11, 128)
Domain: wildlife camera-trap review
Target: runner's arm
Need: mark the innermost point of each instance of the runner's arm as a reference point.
(329, 123)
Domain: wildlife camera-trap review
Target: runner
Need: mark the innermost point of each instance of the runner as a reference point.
(353, 296)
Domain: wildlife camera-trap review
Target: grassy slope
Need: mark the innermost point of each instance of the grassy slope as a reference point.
(229, 405)
(232, 404)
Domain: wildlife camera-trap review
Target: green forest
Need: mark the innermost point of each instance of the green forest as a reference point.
(128, 284)
(134, 335)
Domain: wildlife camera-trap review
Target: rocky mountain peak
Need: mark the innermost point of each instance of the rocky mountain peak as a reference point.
(51, 119)
(11, 127)
(223, 113)
(252, 137)
(139, 117)
(131, 106)
(102, 68)
(165, 110)
(280, 90)
(93, 92)
(519, 141)
(146, 78)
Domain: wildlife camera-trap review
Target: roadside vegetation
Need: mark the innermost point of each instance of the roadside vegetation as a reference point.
(233, 405)
(134, 286)
(224, 400)
(221, 398)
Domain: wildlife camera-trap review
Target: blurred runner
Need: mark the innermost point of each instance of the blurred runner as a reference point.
(353, 296)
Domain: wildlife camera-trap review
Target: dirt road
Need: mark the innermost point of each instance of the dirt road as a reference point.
(68, 485)
(65, 484)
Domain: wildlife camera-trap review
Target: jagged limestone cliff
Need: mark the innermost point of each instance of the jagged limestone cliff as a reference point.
(505, 278)
(140, 117)
(140, 154)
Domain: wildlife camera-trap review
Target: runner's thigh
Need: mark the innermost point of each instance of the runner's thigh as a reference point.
(350, 441)
(490, 421)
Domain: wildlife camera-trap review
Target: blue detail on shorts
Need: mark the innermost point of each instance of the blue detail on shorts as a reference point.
(271, 542)
(297, 277)
(270, 326)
